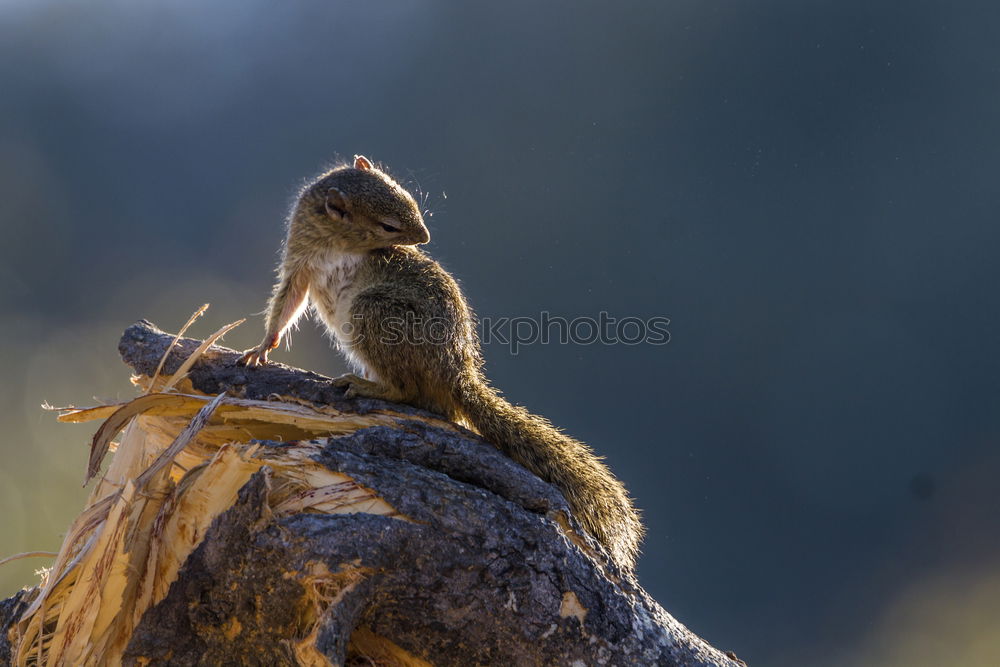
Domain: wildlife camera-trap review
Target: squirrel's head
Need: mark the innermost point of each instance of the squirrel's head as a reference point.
(359, 208)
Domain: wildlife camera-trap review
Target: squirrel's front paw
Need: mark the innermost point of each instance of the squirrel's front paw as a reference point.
(255, 356)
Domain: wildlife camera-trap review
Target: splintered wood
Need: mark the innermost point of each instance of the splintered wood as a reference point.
(178, 462)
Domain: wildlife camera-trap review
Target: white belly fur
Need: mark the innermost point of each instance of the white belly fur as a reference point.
(332, 291)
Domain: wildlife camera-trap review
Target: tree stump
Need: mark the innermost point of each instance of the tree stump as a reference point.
(255, 516)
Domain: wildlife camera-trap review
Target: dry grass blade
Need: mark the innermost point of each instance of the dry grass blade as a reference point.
(181, 442)
(76, 415)
(29, 554)
(119, 419)
(198, 313)
(189, 362)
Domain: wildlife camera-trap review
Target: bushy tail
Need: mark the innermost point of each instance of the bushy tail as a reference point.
(598, 500)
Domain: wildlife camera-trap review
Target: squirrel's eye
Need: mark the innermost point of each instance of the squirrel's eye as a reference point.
(388, 228)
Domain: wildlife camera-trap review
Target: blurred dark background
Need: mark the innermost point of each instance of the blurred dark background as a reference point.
(807, 189)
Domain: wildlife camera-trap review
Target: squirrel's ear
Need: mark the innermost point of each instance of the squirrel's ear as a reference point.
(361, 162)
(336, 204)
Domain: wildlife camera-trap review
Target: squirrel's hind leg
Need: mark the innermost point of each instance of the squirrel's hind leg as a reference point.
(358, 387)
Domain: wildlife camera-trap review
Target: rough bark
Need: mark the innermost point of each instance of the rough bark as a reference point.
(483, 565)
(11, 610)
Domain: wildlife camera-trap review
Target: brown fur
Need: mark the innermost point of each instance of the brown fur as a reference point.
(404, 324)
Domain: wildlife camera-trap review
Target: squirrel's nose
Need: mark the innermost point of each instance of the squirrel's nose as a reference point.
(421, 236)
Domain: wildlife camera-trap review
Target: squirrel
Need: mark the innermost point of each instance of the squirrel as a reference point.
(350, 251)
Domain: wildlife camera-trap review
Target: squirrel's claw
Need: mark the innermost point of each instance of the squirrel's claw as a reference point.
(348, 383)
(358, 387)
(256, 356)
